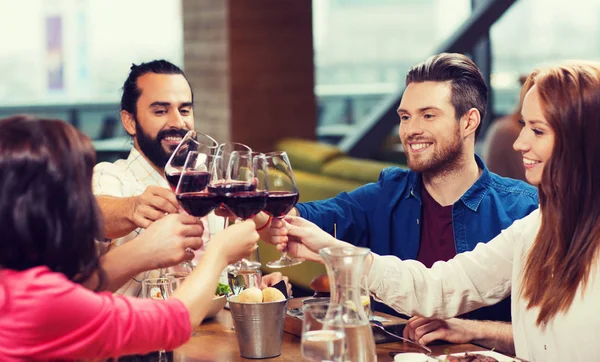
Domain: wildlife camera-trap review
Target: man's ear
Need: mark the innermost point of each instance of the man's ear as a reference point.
(472, 119)
(128, 122)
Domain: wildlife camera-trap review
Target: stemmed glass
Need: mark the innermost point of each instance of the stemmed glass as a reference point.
(246, 191)
(192, 142)
(191, 191)
(219, 171)
(283, 195)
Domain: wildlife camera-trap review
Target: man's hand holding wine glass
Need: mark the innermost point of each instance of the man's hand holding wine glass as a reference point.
(167, 241)
(153, 204)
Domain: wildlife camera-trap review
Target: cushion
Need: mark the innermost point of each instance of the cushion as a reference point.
(358, 170)
(308, 155)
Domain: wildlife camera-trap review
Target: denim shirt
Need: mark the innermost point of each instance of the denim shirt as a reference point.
(385, 216)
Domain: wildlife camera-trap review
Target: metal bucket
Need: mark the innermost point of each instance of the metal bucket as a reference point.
(259, 327)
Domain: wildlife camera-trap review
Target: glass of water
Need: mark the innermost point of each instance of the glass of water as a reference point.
(243, 279)
(158, 288)
(323, 337)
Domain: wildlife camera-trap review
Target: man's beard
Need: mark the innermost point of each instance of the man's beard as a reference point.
(441, 161)
(152, 148)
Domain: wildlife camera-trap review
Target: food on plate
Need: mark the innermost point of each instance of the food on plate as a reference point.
(222, 289)
(272, 295)
(250, 295)
(470, 357)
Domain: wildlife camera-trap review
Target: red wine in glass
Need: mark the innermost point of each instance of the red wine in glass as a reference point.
(245, 204)
(199, 204)
(231, 187)
(191, 181)
(173, 179)
(283, 195)
(279, 203)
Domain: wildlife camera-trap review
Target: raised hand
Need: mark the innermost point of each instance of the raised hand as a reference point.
(236, 241)
(153, 204)
(302, 238)
(164, 242)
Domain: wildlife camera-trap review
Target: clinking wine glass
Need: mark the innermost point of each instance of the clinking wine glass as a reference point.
(246, 192)
(192, 190)
(219, 172)
(192, 142)
(283, 196)
(220, 186)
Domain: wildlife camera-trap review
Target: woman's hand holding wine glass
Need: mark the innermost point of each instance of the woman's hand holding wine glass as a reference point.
(283, 195)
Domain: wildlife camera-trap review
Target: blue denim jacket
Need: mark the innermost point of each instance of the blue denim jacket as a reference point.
(385, 216)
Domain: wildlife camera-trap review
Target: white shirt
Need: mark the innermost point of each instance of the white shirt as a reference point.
(127, 178)
(485, 276)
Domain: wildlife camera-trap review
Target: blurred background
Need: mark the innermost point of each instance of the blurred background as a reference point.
(326, 70)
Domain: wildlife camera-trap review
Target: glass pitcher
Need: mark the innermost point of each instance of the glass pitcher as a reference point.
(345, 268)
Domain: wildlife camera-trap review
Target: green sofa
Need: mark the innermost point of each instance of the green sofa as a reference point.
(322, 171)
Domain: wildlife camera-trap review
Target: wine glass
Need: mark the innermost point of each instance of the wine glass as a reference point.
(192, 142)
(219, 171)
(191, 191)
(323, 334)
(246, 191)
(283, 195)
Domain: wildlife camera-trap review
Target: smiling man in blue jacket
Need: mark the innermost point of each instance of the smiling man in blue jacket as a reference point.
(448, 201)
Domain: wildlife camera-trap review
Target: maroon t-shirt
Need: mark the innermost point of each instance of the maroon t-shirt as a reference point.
(437, 235)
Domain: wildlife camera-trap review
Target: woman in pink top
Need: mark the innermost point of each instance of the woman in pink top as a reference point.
(49, 222)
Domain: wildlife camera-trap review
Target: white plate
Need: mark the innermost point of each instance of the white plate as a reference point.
(421, 357)
(413, 357)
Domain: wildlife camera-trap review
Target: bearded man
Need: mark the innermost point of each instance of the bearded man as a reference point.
(448, 201)
(157, 111)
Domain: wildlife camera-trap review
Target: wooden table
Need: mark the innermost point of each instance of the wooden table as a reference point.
(216, 341)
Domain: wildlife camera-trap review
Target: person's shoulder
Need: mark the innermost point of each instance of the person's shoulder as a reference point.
(527, 226)
(111, 167)
(395, 174)
(39, 283)
(510, 187)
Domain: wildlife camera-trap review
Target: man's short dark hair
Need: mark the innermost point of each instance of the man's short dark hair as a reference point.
(468, 87)
(131, 91)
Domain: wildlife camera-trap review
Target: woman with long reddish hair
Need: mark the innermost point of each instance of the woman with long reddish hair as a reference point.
(547, 261)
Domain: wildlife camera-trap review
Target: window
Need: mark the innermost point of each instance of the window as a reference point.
(75, 51)
(535, 32)
(363, 49)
